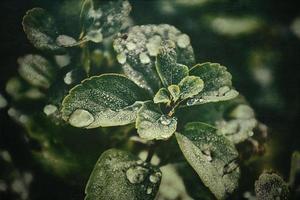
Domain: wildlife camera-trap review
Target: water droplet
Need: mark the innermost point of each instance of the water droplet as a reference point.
(65, 40)
(130, 46)
(136, 174)
(183, 41)
(68, 78)
(50, 109)
(154, 178)
(191, 102)
(121, 58)
(164, 120)
(149, 190)
(144, 58)
(81, 118)
(207, 155)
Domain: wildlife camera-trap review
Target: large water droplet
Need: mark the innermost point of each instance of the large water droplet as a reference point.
(149, 190)
(183, 41)
(81, 118)
(164, 120)
(68, 78)
(136, 174)
(144, 58)
(130, 46)
(121, 58)
(154, 178)
(50, 109)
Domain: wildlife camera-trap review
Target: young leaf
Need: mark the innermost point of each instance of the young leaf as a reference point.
(138, 48)
(36, 70)
(41, 30)
(271, 186)
(217, 84)
(162, 96)
(212, 156)
(190, 86)
(103, 19)
(169, 71)
(152, 124)
(174, 91)
(120, 175)
(105, 100)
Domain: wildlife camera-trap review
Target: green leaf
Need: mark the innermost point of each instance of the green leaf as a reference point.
(36, 70)
(137, 50)
(174, 91)
(41, 30)
(295, 168)
(217, 84)
(105, 100)
(271, 186)
(120, 175)
(169, 71)
(152, 124)
(162, 96)
(190, 86)
(212, 156)
(103, 19)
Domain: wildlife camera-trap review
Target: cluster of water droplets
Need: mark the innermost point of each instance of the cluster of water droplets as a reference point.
(137, 49)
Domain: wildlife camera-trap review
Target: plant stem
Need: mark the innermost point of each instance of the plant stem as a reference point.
(150, 154)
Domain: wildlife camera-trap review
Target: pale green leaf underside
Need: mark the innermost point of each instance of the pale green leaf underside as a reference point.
(190, 86)
(138, 48)
(105, 100)
(217, 84)
(104, 19)
(169, 71)
(212, 156)
(120, 175)
(271, 186)
(36, 70)
(162, 96)
(152, 124)
(41, 30)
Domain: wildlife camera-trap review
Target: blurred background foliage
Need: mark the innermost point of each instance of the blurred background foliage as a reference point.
(259, 42)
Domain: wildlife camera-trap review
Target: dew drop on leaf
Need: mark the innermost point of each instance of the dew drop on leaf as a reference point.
(183, 41)
(136, 174)
(121, 58)
(144, 58)
(68, 78)
(50, 109)
(81, 118)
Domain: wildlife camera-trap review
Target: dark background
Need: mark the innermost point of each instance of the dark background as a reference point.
(282, 122)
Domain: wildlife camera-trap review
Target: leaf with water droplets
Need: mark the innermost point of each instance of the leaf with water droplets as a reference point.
(137, 50)
(36, 70)
(103, 19)
(105, 100)
(152, 124)
(121, 175)
(169, 71)
(162, 96)
(217, 84)
(212, 156)
(190, 86)
(40, 28)
(270, 186)
(238, 122)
